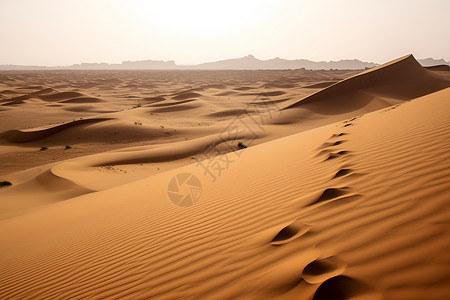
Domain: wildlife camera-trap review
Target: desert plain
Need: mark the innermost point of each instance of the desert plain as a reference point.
(222, 184)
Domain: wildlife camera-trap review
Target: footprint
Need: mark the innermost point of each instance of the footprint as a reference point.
(349, 124)
(331, 144)
(324, 152)
(334, 155)
(342, 203)
(341, 288)
(338, 135)
(331, 193)
(322, 269)
(343, 172)
(290, 232)
(352, 119)
(338, 143)
(392, 107)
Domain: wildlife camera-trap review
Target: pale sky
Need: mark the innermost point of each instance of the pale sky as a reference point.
(64, 32)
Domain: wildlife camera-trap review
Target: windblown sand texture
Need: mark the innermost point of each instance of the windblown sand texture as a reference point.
(342, 192)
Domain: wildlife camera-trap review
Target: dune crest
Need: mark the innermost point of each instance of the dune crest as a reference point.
(19, 136)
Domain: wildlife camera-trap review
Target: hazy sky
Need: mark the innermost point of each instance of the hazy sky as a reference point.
(63, 32)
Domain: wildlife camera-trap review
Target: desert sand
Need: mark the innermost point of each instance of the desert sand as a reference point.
(288, 184)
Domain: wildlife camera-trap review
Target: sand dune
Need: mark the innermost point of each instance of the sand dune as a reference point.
(320, 85)
(18, 136)
(402, 79)
(228, 113)
(341, 193)
(165, 104)
(183, 107)
(82, 100)
(60, 96)
(186, 95)
(389, 84)
(46, 188)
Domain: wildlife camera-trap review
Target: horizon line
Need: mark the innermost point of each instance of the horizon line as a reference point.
(172, 65)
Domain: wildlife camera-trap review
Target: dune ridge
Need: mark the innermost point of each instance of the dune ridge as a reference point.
(47, 188)
(403, 78)
(18, 136)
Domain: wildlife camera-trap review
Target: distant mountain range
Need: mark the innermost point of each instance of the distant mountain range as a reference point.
(248, 62)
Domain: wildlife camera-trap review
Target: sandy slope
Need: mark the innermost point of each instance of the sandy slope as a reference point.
(299, 216)
(353, 208)
(144, 108)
